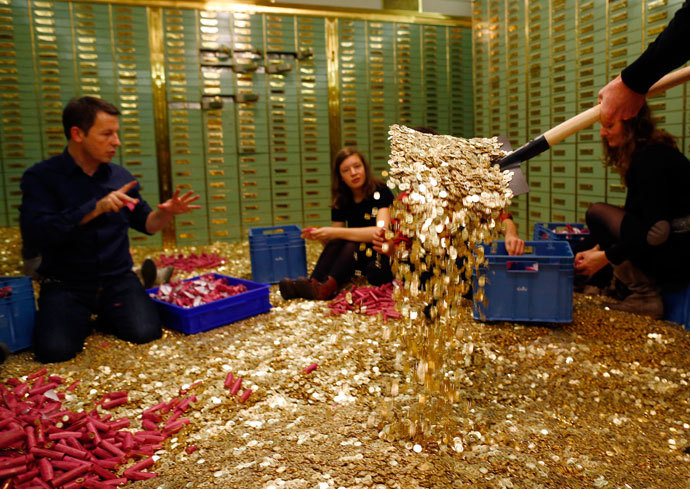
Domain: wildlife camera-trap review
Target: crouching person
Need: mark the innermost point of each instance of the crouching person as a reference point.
(647, 241)
(76, 210)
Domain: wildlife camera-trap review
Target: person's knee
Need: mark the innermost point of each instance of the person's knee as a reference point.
(593, 213)
(60, 328)
(142, 333)
(53, 351)
(130, 313)
(143, 327)
(379, 276)
(658, 234)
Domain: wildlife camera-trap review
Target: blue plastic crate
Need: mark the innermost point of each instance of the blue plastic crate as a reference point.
(677, 304)
(547, 231)
(217, 313)
(20, 285)
(17, 313)
(277, 252)
(536, 286)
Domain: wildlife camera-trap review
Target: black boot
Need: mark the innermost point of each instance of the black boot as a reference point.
(149, 273)
(4, 352)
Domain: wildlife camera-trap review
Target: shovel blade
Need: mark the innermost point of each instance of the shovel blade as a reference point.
(519, 183)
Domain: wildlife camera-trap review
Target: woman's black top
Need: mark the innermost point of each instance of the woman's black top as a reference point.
(361, 214)
(657, 181)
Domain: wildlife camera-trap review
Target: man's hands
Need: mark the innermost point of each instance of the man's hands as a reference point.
(618, 101)
(113, 202)
(179, 205)
(156, 220)
(172, 207)
(117, 199)
(591, 261)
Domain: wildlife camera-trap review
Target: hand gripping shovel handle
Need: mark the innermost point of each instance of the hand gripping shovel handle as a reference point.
(584, 119)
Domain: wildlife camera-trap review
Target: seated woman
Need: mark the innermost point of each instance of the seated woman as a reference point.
(647, 241)
(359, 208)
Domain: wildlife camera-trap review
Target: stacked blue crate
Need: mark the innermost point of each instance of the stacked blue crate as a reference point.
(277, 252)
(552, 231)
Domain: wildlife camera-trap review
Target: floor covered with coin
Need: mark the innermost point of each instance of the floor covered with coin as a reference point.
(601, 402)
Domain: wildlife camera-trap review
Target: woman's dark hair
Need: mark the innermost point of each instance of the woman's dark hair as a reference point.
(638, 132)
(81, 112)
(340, 192)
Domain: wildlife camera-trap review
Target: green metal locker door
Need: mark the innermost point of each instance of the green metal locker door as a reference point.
(381, 59)
(180, 28)
(313, 120)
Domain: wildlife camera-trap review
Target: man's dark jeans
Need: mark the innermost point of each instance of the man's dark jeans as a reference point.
(65, 309)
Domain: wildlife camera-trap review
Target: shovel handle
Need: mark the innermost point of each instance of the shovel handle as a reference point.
(590, 116)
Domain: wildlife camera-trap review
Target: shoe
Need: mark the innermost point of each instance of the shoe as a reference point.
(4, 352)
(30, 266)
(591, 290)
(644, 305)
(326, 290)
(313, 289)
(288, 289)
(306, 287)
(164, 275)
(645, 296)
(149, 273)
(618, 290)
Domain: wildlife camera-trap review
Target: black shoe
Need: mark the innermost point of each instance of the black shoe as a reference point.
(149, 273)
(288, 289)
(4, 352)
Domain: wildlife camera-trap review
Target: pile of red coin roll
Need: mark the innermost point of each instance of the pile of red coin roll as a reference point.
(192, 293)
(366, 300)
(191, 262)
(43, 445)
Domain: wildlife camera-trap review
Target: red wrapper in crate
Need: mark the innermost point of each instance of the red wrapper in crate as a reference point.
(217, 313)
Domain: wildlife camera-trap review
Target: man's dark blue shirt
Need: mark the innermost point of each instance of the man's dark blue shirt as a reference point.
(56, 195)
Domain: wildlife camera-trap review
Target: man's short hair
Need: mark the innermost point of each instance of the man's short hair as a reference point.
(81, 112)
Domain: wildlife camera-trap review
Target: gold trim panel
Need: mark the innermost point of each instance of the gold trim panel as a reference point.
(267, 7)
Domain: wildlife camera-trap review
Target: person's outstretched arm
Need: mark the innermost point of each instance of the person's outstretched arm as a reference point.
(623, 96)
(176, 205)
